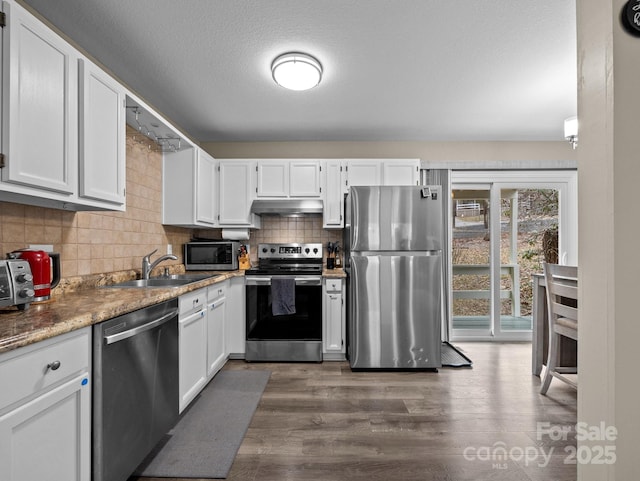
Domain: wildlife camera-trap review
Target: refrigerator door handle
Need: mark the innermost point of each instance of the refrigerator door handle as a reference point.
(397, 253)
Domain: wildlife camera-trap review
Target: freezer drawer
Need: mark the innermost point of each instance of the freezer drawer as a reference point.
(395, 304)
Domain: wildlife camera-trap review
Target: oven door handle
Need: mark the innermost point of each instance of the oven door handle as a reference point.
(266, 280)
(257, 281)
(308, 281)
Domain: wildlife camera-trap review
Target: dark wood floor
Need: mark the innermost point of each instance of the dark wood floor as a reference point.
(322, 422)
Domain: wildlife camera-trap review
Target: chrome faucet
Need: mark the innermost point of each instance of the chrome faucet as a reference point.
(147, 265)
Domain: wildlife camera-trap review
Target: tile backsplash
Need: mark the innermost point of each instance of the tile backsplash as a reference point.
(93, 243)
(304, 229)
(98, 242)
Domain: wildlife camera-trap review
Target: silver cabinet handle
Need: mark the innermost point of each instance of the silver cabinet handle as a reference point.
(54, 366)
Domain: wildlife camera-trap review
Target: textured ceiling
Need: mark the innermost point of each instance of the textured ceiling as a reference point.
(448, 70)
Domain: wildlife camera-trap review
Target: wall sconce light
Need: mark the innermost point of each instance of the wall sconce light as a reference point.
(571, 131)
(296, 71)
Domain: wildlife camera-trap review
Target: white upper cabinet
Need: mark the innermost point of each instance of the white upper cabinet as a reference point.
(206, 188)
(339, 175)
(382, 172)
(236, 193)
(304, 178)
(333, 195)
(189, 187)
(63, 136)
(285, 178)
(363, 172)
(39, 138)
(101, 135)
(273, 178)
(401, 172)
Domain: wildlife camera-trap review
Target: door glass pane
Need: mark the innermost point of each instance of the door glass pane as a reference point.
(528, 224)
(470, 260)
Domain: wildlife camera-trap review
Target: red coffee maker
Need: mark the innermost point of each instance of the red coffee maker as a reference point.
(45, 268)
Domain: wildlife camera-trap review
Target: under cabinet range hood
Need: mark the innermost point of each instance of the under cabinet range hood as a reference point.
(286, 207)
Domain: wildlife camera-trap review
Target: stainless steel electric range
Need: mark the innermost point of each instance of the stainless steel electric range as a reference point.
(284, 304)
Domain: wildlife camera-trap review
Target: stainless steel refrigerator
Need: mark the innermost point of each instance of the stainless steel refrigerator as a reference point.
(394, 267)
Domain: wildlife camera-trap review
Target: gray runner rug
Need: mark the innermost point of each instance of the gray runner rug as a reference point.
(204, 442)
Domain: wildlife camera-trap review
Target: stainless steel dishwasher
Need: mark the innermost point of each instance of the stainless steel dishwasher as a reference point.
(135, 388)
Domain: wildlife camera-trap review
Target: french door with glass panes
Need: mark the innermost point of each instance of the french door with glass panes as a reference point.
(502, 225)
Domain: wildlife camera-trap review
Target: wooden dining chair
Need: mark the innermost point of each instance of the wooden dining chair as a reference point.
(562, 304)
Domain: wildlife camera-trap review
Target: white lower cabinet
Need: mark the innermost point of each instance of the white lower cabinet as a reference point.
(333, 320)
(235, 319)
(216, 351)
(202, 342)
(45, 410)
(192, 333)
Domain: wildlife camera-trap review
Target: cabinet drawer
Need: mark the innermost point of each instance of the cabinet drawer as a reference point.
(334, 285)
(193, 301)
(215, 291)
(24, 371)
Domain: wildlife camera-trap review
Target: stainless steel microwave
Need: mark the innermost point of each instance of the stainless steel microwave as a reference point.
(211, 255)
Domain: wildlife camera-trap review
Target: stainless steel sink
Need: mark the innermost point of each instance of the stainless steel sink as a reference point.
(175, 280)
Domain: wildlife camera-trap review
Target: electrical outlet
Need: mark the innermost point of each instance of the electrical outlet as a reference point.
(169, 249)
(41, 247)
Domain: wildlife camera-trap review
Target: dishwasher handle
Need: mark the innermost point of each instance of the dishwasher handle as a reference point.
(137, 330)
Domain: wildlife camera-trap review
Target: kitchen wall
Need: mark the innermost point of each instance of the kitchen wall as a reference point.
(98, 242)
(512, 154)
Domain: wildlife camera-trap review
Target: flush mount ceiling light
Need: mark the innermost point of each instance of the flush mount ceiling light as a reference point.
(296, 71)
(571, 131)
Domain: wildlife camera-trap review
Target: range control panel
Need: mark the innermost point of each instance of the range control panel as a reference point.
(290, 251)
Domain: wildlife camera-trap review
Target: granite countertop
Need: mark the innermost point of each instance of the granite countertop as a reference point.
(337, 273)
(67, 312)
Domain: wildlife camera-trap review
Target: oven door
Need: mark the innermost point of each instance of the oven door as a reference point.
(274, 336)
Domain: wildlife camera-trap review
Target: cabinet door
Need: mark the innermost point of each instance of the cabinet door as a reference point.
(401, 172)
(333, 195)
(235, 191)
(304, 178)
(235, 320)
(364, 172)
(50, 436)
(333, 338)
(205, 188)
(101, 135)
(40, 71)
(216, 354)
(193, 356)
(273, 178)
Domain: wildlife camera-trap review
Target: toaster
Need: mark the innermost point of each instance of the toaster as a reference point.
(16, 283)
